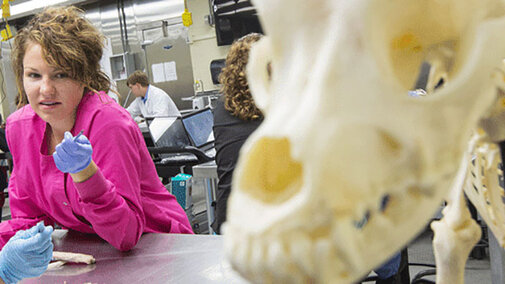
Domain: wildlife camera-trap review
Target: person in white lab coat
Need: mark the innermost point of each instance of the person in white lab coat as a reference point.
(113, 96)
(150, 101)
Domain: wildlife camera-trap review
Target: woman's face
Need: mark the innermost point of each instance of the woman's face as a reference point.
(51, 93)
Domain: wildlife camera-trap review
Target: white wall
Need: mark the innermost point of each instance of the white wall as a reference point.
(203, 45)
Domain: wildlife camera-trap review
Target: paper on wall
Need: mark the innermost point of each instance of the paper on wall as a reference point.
(170, 71)
(158, 72)
(165, 71)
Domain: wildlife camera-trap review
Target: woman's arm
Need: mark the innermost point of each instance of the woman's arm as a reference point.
(25, 213)
(109, 187)
(85, 174)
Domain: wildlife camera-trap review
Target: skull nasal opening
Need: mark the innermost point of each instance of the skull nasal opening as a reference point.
(270, 174)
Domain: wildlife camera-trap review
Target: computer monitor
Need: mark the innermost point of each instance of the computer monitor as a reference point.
(234, 19)
(199, 127)
(168, 132)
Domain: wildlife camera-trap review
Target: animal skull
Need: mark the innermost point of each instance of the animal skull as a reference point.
(346, 168)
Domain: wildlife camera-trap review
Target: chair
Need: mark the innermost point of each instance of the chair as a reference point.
(180, 159)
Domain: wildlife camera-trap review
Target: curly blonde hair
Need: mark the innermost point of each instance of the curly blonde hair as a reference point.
(237, 97)
(69, 42)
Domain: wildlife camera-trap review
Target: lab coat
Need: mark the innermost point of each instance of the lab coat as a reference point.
(158, 103)
(113, 96)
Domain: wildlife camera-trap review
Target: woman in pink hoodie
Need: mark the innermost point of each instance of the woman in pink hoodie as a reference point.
(79, 158)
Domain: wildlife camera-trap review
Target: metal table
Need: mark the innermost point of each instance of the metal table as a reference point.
(497, 259)
(157, 258)
(208, 172)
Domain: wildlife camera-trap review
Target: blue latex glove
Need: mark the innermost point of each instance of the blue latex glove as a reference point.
(73, 154)
(26, 254)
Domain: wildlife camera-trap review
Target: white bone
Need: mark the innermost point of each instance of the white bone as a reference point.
(483, 189)
(456, 233)
(73, 257)
(340, 132)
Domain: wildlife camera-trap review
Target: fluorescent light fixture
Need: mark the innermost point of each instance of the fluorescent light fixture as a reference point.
(33, 6)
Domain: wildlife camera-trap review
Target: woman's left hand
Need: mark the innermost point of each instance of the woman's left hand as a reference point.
(73, 154)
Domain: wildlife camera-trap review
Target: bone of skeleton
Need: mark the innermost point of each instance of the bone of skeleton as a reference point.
(73, 257)
(482, 186)
(340, 133)
(456, 233)
(493, 123)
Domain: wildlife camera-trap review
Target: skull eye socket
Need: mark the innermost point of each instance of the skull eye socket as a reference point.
(270, 174)
(422, 43)
(422, 65)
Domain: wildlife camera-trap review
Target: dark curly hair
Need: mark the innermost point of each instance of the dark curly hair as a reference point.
(237, 97)
(69, 42)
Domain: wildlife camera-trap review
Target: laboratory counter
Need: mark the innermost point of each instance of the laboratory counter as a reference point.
(157, 258)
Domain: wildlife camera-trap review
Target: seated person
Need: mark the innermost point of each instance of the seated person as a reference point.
(3, 142)
(235, 118)
(150, 101)
(3, 170)
(388, 272)
(80, 160)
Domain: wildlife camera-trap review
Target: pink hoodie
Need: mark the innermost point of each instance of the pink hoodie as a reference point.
(124, 199)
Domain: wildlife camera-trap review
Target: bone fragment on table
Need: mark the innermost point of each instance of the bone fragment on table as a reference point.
(73, 257)
(55, 265)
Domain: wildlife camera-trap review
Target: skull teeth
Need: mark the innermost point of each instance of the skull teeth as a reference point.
(300, 248)
(291, 272)
(285, 260)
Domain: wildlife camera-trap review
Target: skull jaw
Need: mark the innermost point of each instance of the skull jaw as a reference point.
(304, 236)
(312, 244)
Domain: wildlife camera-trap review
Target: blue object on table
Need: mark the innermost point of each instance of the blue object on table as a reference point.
(181, 189)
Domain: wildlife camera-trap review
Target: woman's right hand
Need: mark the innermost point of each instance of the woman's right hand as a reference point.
(27, 254)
